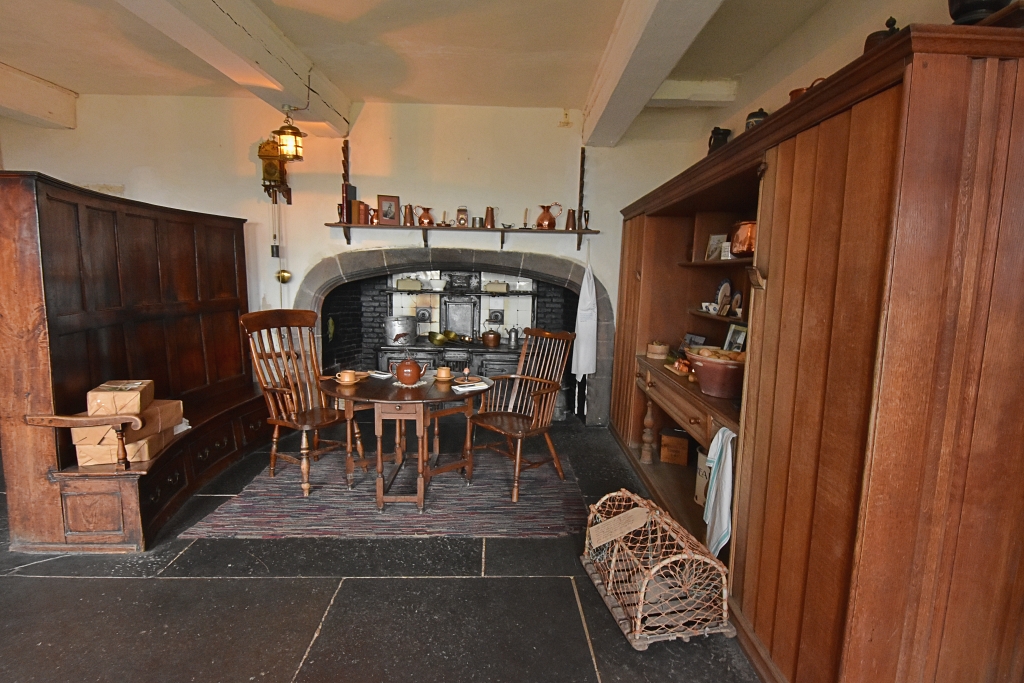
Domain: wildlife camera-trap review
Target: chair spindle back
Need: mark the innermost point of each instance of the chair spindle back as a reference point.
(544, 353)
(284, 356)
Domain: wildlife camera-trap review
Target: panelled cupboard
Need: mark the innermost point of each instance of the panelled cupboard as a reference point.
(98, 288)
(878, 516)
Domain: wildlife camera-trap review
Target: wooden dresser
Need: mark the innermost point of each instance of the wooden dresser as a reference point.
(99, 288)
(878, 520)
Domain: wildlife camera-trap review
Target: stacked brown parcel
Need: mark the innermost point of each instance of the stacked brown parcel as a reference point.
(98, 445)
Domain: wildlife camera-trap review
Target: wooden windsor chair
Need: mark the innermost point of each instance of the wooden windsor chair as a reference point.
(523, 404)
(517, 407)
(284, 356)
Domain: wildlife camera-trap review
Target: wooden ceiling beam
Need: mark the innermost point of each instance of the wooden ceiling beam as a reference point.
(649, 38)
(239, 40)
(32, 100)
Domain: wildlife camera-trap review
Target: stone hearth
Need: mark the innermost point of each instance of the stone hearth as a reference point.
(360, 264)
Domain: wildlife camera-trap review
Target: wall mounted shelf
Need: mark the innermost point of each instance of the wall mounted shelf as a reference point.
(347, 229)
(717, 318)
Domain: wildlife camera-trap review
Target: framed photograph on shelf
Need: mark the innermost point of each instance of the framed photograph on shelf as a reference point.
(714, 250)
(388, 209)
(736, 339)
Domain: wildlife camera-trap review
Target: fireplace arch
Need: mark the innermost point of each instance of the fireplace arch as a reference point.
(360, 264)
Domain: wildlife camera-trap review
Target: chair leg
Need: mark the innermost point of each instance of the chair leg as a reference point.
(554, 457)
(304, 463)
(273, 449)
(515, 479)
(316, 445)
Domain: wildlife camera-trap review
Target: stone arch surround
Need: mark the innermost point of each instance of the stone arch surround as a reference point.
(359, 264)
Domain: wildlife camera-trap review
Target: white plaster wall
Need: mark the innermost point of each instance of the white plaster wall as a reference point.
(199, 153)
(829, 40)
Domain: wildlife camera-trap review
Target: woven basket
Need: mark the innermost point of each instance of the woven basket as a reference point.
(658, 581)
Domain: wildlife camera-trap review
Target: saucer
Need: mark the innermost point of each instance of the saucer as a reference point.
(468, 380)
(449, 378)
(360, 376)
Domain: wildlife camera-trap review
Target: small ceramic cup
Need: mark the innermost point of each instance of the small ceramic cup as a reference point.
(346, 376)
(444, 372)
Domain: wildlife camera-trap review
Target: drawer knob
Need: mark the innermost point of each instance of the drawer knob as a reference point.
(695, 420)
(650, 383)
(397, 408)
(639, 375)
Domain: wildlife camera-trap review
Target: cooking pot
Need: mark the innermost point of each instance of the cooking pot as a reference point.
(399, 330)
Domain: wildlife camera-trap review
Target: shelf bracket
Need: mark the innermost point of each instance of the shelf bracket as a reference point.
(425, 245)
(757, 280)
(502, 245)
(579, 240)
(347, 230)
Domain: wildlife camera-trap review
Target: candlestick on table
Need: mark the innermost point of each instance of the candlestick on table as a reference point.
(526, 217)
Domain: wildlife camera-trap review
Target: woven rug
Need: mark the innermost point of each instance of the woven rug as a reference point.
(270, 508)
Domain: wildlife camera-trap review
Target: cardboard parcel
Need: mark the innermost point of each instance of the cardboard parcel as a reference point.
(120, 397)
(145, 449)
(161, 415)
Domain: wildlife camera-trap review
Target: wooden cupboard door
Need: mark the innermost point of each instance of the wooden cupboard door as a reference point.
(823, 230)
(938, 591)
(625, 404)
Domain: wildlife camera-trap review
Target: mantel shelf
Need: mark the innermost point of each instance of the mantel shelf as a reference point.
(347, 228)
(717, 318)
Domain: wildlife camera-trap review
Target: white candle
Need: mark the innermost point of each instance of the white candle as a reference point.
(526, 216)
(444, 216)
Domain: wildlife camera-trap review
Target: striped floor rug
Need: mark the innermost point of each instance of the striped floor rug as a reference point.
(271, 508)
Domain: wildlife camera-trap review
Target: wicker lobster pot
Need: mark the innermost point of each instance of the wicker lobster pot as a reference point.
(658, 581)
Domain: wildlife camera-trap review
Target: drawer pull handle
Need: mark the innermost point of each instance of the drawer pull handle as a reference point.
(650, 383)
(155, 495)
(204, 454)
(695, 420)
(254, 426)
(173, 479)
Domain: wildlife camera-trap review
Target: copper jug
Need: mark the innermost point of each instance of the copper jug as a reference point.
(570, 219)
(424, 215)
(408, 218)
(408, 371)
(546, 220)
(489, 217)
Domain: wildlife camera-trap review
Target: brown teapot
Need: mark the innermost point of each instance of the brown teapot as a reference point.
(546, 220)
(408, 371)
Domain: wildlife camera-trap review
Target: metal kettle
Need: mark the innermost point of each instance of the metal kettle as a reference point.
(513, 338)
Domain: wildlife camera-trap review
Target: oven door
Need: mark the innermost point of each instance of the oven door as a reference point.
(460, 314)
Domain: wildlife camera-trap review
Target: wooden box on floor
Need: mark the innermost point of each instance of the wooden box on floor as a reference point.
(98, 288)
(675, 447)
(877, 508)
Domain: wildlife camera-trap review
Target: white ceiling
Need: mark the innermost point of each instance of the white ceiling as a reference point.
(525, 53)
(98, 47)
(513, 53)
(739, 35)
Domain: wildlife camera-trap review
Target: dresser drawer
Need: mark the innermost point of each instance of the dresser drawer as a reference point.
(690, 417)
(213, 447)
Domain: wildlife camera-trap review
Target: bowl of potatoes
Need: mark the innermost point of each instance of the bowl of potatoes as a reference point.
(719, 372)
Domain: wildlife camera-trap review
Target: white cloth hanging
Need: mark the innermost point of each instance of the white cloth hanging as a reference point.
(584, 358)
(718, 507)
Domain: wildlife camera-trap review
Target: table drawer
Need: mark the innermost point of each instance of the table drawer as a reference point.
(690, 417)
(406, 410)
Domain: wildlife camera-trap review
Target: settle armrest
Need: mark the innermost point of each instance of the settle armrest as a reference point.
(115, 421)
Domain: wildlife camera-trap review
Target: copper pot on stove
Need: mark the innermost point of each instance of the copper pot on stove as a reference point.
(491, 339)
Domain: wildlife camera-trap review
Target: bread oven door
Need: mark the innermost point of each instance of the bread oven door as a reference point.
(460, 314)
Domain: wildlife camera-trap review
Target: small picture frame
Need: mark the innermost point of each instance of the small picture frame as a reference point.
(736, 338)
(689, 341)
(714, 250)
(388, 209)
